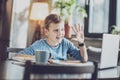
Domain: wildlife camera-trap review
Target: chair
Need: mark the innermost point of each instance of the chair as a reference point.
(12, 51)
(94, 54)
(38, 69)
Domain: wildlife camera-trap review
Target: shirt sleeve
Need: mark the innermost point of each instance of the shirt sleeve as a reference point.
(74, 51)
(31, 49)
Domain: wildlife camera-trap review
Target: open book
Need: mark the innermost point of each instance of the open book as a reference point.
(23, 57)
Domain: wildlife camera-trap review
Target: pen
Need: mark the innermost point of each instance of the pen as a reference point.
(18, 63)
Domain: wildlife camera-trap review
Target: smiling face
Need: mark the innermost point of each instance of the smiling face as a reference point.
(54, 26)
(55, 33)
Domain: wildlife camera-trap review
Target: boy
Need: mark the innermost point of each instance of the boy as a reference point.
(55, 42)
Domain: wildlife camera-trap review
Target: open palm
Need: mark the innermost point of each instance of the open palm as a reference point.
(79, 31)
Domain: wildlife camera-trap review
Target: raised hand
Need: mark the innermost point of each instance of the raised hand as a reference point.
(79, 31)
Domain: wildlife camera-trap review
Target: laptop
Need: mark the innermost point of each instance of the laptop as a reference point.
(107, 57)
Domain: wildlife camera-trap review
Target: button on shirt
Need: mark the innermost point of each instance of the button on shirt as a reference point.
(58, 52)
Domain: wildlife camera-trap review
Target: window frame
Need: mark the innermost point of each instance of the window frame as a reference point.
(111, 19)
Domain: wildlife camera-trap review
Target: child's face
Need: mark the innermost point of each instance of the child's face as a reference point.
(56, 32)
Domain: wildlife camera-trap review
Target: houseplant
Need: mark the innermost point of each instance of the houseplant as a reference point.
(69, 7)
(116, 30)
(71, 11)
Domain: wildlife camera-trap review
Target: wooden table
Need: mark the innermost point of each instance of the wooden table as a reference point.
(12, 70)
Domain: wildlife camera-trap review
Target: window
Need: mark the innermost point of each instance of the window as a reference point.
(101, 16)
(99, 13)
(19, 24)
(118, 14)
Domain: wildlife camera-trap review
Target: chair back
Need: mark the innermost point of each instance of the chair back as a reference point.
(12, 52)
(40, 69)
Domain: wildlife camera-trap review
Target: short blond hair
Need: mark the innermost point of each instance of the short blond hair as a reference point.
(52, 18)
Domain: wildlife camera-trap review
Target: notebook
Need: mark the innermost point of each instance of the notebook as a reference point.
(110, 51)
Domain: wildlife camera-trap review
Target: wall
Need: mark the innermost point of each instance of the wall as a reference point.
(5, 21)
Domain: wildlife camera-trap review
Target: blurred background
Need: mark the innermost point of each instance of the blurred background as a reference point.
(22, 21)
